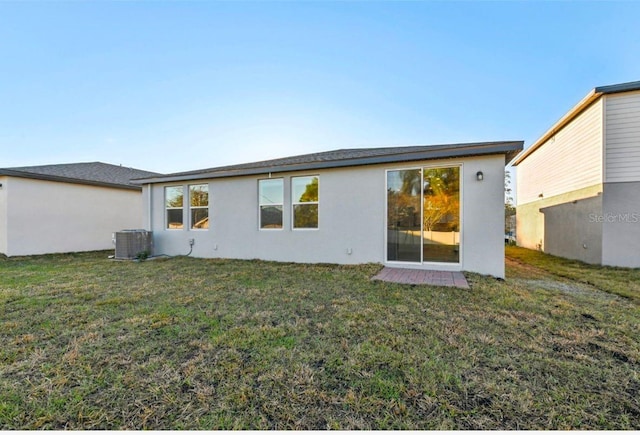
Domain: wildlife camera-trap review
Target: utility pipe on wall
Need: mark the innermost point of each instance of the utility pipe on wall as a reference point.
(149, 205)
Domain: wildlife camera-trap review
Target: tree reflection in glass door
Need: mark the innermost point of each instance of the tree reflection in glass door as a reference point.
(441, 215)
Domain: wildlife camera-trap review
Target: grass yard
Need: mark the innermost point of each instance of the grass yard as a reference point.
(188, 343)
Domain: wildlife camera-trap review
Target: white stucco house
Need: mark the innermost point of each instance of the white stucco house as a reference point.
(433, 207)
(67, 207)
(578, 186)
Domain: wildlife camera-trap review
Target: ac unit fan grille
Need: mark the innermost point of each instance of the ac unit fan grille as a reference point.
(131, 244)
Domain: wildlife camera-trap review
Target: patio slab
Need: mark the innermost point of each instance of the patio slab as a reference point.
(422, 277)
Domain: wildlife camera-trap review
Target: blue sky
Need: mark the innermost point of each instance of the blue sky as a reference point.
(171, 86)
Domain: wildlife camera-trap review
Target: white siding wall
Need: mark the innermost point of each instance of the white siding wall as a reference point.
(622, 133)
(570, 160)
(48, 217)
(352, 216)
(3, 214)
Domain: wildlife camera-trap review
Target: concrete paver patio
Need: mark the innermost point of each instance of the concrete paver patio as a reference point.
(421, 276)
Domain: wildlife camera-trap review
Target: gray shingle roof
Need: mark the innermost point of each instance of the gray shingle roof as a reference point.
(345, 158)
(93, 173)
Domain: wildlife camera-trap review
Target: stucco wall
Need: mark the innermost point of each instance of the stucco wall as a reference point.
(3, 214)
(621, 224)
(605, 217)
(483, 216)
(48, 217)
(573, 231)
(530, 225)
(348, 218)
(352, 218)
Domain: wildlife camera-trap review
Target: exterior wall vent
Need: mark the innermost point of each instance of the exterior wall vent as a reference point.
(132, 244)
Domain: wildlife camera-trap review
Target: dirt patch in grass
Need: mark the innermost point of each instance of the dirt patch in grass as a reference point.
(620, 281)
(536, 277)
(186, 343)
(571, 288)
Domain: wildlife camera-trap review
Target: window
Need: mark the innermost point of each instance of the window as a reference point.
(304, 200)
(199, 210)
(270, 202)
(173, 200)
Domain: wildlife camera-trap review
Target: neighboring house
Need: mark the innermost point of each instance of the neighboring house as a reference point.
(68, 207)
(434, 207)
(579, 184)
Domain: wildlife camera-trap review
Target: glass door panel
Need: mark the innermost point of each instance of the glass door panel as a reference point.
(441, 215)
(404, 241)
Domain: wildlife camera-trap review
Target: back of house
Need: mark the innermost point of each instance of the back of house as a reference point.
(424, 207)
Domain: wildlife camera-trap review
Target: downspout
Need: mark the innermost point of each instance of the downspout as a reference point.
(149, 204)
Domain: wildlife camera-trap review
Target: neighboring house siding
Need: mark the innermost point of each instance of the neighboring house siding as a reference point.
(622, 133)
(3, 214)
(351, 218)
(570, 160)
(48, 217)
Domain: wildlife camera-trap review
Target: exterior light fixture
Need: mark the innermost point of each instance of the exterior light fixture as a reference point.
(479, 176)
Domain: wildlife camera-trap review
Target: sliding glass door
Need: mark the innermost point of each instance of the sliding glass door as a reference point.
(423, 215)
(403, 215)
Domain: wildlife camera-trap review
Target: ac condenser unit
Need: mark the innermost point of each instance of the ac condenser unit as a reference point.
(132, 244)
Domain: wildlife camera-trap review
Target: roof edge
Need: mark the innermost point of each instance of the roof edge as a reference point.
(589, 99)
(559, 125)
(45, 177)
(508, 148)
(620, 87)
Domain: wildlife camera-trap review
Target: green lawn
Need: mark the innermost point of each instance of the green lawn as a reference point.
(187, 343)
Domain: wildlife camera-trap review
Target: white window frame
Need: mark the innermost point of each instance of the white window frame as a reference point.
(294, 203)
(199, 207)
(166, 209)
(260, 205)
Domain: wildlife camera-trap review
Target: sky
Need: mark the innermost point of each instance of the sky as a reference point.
(171, 86)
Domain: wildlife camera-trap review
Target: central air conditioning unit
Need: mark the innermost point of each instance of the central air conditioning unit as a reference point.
(132, 244)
